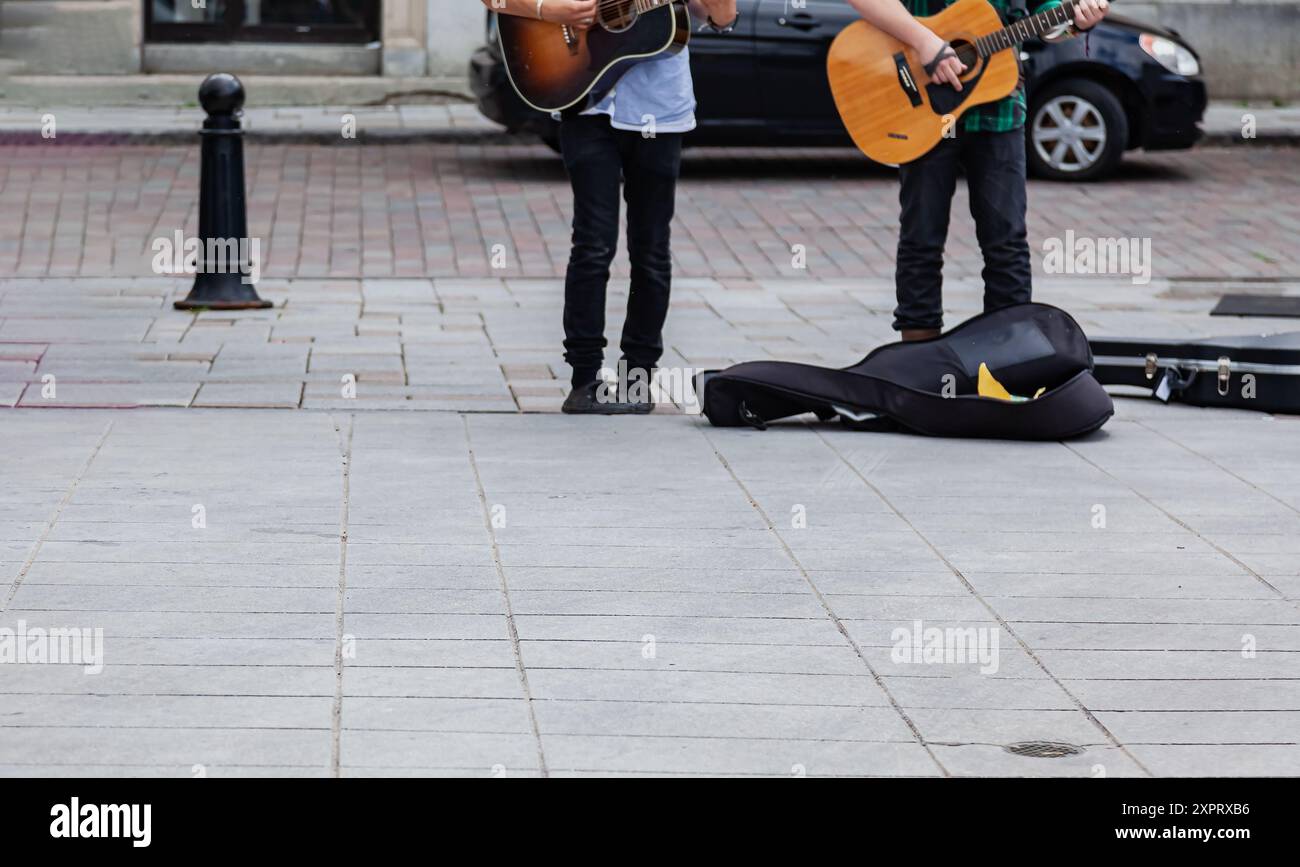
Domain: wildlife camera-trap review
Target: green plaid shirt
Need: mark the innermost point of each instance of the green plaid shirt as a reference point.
(1007, 113)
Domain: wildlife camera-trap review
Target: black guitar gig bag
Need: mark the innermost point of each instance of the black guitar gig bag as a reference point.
(1037, 354)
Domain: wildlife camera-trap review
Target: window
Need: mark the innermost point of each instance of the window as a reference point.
(262, 20)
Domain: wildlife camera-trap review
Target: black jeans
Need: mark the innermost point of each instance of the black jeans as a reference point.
(596, 156)
(994, 163)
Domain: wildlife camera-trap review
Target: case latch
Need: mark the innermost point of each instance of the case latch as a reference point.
(1225, 374)
(1152, 362)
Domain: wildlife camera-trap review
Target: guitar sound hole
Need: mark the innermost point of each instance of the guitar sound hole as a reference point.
(616, 15)
(969, 56)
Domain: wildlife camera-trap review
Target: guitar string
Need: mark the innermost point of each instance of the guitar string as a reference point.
(1066, 9)
(1005, 38)
(638, 5)
(982, 44)
(993, 42)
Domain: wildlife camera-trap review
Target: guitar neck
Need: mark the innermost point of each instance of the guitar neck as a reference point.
(1025, 28)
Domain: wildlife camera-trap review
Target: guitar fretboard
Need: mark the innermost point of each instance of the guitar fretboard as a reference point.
(1025, 28)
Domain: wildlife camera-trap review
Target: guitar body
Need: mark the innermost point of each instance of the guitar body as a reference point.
(557, 68)
(887, 102)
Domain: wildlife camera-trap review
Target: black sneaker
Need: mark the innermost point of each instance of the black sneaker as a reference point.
(639, 377)
(639, 406)
(594, 398)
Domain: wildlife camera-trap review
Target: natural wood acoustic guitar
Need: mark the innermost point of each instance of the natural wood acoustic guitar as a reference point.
(892, 109)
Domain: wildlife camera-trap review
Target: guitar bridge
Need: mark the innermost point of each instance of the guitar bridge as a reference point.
(905, 80)
(570, 38)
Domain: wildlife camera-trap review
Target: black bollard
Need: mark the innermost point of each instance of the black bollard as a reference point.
(223, 216)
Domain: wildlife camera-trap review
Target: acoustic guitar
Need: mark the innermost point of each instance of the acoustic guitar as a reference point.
(892, 109)
(555, 67)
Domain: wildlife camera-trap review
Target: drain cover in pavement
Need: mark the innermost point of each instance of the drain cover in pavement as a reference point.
(1043, 749)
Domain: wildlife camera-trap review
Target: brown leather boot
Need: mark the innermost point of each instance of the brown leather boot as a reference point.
(920, 333)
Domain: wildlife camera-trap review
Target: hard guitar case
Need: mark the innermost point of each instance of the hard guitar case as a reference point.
(930, 386)
(1247, 372)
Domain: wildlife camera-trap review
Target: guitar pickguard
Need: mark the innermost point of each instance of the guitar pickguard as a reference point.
(944, 98)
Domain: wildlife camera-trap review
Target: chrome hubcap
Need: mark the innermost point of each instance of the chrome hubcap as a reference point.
(1069, 133)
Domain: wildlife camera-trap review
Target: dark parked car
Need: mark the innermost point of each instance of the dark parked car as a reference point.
(1127, 85)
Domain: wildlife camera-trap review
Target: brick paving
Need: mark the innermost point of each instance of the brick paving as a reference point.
(83, 305)
(450, 210)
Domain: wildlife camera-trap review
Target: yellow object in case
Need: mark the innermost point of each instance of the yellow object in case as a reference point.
(990, 387)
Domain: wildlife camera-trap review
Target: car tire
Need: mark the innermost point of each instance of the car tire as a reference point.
(1076, 131)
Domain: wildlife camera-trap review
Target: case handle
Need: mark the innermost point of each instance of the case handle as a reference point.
(749, 418)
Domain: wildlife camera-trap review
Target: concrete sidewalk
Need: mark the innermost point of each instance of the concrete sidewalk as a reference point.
(345, 590)
(452, 120)
(1223, 124)
(435, 593)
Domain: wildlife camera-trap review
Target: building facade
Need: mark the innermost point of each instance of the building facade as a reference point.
(391, 38)
(345, 50)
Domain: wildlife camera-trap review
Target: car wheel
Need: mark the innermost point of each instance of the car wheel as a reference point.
(1077, 131)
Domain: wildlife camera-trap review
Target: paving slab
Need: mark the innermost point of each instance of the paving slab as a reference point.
(469, 645)
(286, 395)
(293, 578)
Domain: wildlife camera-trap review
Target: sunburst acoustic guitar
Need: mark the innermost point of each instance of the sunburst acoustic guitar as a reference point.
(554, 67)
(887, 102)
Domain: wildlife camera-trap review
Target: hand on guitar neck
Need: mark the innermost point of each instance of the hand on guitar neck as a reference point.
(1088, 12)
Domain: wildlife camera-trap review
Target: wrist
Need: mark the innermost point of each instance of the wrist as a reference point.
(928, 45)
(722, 26)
